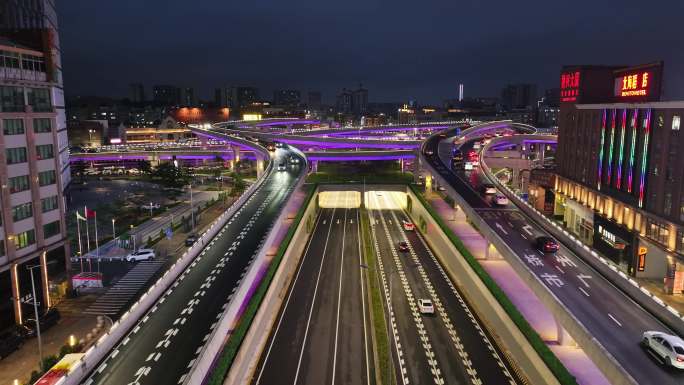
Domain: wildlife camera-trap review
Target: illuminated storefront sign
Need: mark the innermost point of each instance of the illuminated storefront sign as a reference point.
(641, 261)
(633, 84)
(569, 90)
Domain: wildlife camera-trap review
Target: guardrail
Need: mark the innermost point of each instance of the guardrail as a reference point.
(642, 296)
(118, 330)
(207, 357)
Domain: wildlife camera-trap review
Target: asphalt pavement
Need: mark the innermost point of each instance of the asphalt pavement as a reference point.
(164, 344)
(613, 318)
(448, 347)
(322, 334)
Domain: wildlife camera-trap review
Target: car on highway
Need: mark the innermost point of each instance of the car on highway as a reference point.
(403, 246)
(190, 240)
(281, 166)
(546, 245)
(47, 320)
(293, 159)
(408, 226)
(11, 339)
(501, 200)
(140, 255)
(488, 189)
(668, 348)
(429, 152)
(279, 144)
(425, 306)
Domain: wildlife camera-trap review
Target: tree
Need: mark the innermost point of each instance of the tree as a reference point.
(145, 166)
(238, 184)
(171, 175)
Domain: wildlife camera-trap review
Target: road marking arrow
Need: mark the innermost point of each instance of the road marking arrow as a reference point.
(527, 228)
(501, 228)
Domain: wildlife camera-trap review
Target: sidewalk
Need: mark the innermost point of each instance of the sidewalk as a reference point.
(538, 316)
(22, 362)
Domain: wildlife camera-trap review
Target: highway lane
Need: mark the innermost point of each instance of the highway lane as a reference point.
(608, 314)
(322, 334)
(164, 344)
(450, 346)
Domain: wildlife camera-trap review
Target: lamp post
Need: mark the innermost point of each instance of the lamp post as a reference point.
(35, 309)
(192, 210)
(113, 229)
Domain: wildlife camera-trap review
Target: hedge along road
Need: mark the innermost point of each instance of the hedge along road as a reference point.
(164, 344)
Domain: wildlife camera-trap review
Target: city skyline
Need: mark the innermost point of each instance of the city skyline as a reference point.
(311, 46)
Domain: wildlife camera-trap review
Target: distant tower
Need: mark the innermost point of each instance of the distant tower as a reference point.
(460, 92)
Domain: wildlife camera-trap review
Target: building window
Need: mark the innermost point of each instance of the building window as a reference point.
(18, 184)
(13, 126)
(11, 99)
(2, 248)
(25, 239)
(676, 121)
(39, 99)
(32, 63)
(16, 155)
(51, 229)
(41, 125)
(44, 151)
(657, 231)
(667, 204)
(22, 211)
(46, 178)
(49, 204)
(9, 59)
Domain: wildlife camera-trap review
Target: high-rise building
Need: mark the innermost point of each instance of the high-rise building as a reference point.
(166, 95)
(314, 100)
(519, 97)
(286, 98)
(137, 93)
(343, 103)
(360, 101)
(34, 168)
(187, 97)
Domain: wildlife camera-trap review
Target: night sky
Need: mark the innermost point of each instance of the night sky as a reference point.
(398, 49)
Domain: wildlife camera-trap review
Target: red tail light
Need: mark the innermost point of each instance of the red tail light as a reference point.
(680, 358)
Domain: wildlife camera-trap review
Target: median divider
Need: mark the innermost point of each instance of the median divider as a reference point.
(524, 348)
(120, 328)
(217, 355)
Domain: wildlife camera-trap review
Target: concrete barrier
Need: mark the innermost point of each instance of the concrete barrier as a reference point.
(605, 361)
(219, 336)
(243, 369)
(494, 317)
(120, 328)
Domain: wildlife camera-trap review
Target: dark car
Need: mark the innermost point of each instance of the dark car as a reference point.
(403, 246)
(10, 340)
(546, 245)
(47, 320)
(190, 240)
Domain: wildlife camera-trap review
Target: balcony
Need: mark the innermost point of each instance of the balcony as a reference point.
(22, 74)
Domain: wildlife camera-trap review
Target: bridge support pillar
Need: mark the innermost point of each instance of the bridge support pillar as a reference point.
(204, 141)
(236, 153)
(260, 162)
(314, 166)
(416, 167)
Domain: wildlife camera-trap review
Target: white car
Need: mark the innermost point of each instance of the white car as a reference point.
(501, 200)
(667, 348)
(425, 306)
(150, 206)
(140, 255)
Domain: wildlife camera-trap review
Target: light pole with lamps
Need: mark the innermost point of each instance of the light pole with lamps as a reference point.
(113, 229)
(35, 309)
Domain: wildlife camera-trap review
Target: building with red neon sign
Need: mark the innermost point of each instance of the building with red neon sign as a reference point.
(619, 159)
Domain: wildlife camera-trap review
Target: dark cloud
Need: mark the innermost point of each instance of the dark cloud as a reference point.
(398, 49)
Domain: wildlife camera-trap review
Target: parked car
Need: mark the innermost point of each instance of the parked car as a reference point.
(501, 200)
(140, 255)
(546, 245)
(403, 246)
(47, 320)
(425, 306)
(281, 167)
(408, 226)
(150, 206)
(10, 340)
(488, 189)
(668, 348)
(190, 240)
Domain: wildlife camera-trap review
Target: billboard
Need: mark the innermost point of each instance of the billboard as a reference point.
(638, 84)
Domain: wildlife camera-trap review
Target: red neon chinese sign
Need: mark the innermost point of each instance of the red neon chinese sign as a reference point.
(633, 84)
(569, 89)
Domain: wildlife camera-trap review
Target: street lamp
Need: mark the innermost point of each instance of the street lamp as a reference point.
(35, 309)
(113, 229)
(192, 211)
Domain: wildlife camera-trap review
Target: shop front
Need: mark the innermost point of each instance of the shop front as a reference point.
(617, 243)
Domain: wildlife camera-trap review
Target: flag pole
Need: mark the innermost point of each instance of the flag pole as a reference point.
(80, 245)
(97, 245)
(87, 237)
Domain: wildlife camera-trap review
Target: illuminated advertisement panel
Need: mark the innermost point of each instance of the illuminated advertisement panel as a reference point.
(638, 84)
(570, 84)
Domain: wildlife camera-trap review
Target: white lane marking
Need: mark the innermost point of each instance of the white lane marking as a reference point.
(583, 291)
(363, 298)
(614, 319)
(527, 228)
(559, 269)
(339, 294)
(501, 228)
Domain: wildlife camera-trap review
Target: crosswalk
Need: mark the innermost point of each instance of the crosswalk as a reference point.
(125, 290)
